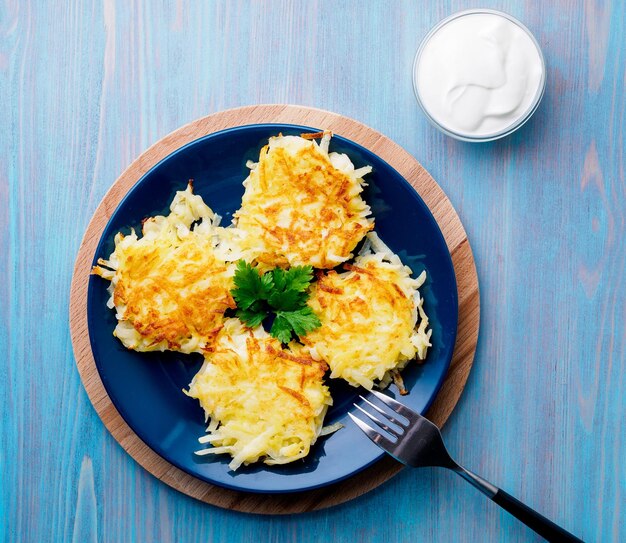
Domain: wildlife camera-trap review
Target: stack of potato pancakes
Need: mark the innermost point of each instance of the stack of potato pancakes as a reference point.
(172, 288)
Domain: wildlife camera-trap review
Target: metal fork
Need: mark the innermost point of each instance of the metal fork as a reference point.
(418, 443)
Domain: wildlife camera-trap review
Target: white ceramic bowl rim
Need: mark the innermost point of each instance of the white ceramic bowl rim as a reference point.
(521, 119)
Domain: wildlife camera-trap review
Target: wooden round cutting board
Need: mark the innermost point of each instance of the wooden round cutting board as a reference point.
(442, 210)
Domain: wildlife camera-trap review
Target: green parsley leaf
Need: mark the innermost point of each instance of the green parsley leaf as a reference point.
(282, 292)
(289, 292)
(279, 278)
(296, 278)
(250, 286)
(288, 300)
(251, 317)
(301, 321)
(281, 329)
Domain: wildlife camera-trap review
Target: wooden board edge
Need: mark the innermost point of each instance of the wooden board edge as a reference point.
(431, 193)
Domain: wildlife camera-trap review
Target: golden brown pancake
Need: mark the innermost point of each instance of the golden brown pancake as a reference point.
(263, 401)
(302, 206)
(372, 317)
(169, 287)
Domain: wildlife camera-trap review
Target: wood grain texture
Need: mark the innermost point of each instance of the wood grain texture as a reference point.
(424, 184)
(85, 87)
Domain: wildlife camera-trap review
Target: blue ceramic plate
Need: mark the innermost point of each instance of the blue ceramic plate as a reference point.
(146, 387)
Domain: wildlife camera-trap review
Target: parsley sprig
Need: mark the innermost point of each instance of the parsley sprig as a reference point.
(282, 293)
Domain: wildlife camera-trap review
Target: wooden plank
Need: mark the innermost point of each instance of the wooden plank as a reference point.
(87, 86)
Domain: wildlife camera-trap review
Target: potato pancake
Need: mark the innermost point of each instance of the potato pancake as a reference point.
(172, 289)
(169, 288)
(262, 401)
(302, 206)
(372, 317)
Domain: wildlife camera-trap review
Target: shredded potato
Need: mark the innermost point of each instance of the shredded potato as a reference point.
(372, 317)
(169, 287)
(301, 206)
(262, 401)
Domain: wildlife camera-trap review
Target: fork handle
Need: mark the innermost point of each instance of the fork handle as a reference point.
(544, 527)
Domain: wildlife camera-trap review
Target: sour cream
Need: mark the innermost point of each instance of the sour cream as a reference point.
(479, 75)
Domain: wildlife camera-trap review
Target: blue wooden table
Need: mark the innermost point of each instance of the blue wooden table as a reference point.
(87, 86)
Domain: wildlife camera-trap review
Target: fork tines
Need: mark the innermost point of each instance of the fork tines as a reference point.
(383, 417)
(397, 407)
